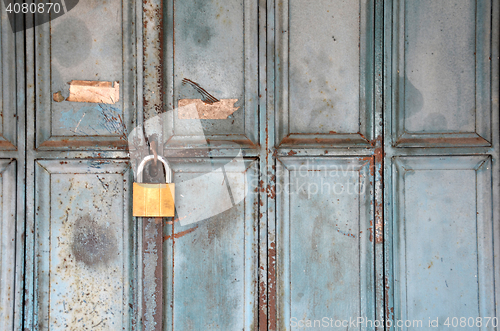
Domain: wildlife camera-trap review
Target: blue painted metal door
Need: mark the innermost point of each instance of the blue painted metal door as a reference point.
(441, 166)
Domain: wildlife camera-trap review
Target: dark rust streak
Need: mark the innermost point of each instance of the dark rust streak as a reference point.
(271, 193)
(155, 225)
(180, 234)
(262, 306)
(444, 141)
(388, 311)
(118, 143)
(371, 231)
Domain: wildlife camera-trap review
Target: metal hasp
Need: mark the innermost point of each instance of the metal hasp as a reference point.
(154, 200)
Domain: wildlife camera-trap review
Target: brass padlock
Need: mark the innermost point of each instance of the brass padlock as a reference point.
(154, 200)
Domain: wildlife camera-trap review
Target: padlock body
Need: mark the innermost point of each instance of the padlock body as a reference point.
(153, 200)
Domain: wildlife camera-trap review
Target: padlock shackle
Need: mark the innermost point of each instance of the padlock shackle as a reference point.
(168, 171)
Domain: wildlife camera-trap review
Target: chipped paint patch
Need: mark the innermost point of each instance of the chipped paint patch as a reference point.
(58, 97)
(93, 91)
(219, 110)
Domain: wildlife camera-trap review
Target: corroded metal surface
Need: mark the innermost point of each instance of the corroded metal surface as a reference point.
(152, 243)
(82, 245)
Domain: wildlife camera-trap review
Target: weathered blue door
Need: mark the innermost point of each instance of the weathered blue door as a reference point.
(441, 169)
(335, 162)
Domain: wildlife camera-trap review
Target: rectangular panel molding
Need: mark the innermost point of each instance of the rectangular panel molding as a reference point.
(95, 41)
(442, 73)
(8, 280)
(325, 258)
(8, 109)
(211, 251)
(324, 76)
(443, 238)
(212, 53)
(83, 245)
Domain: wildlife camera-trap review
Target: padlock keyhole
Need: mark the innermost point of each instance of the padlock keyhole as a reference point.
(156, 174)
(152, 170)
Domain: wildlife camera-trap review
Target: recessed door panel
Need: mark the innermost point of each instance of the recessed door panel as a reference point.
(211, 261)
(443, 234)
(324, 79)
(214, 46)
(324, 240)
(83, 245)
(94, 42)
(442, 69)
(8, 109)
(8, 223)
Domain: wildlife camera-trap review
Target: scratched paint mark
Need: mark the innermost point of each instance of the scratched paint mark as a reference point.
(207, 97)
(219, 110)
(345, 233)
(93, 91)
(114, 122)
(80, 121)
(180, 234)
(94, 120)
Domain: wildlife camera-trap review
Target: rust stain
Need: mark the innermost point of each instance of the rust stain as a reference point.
(261, 186)
(93, 91)
(271, 191)
(218, 110)
(291, 153)
(263, 305)
(377, 157)
(379, 223)
(371, 231)
(271, 322)
(345, 233)
(180, 234)
(445, 141)
(388, 311)
(117, 143)
(320, 141)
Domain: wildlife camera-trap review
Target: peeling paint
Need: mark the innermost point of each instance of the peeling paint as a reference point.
(271, 296)
(219, 110)
(58, 97)
(93, 91)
